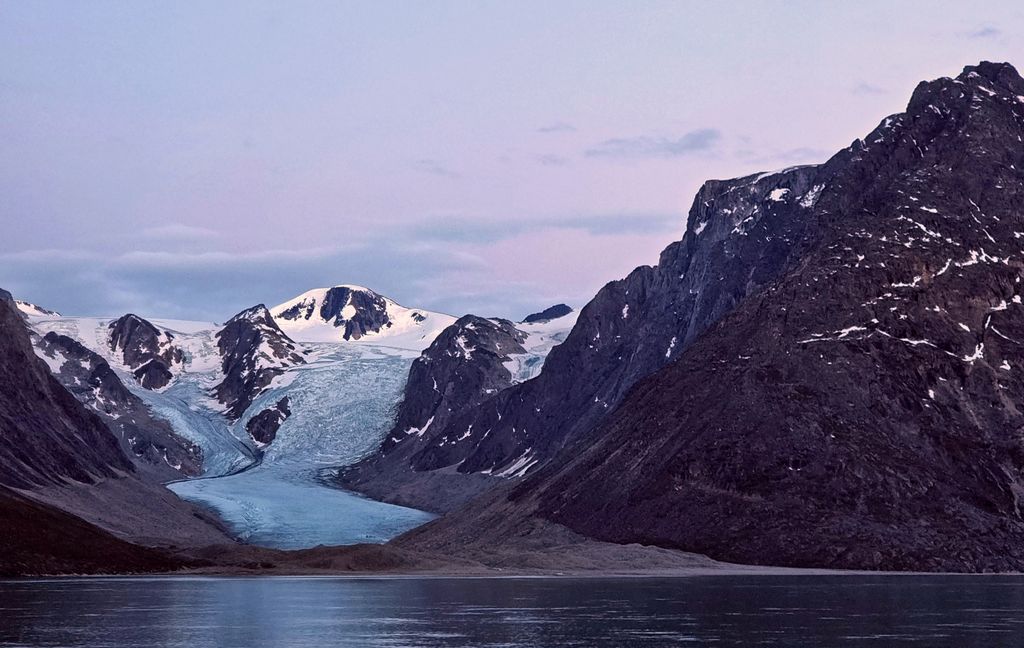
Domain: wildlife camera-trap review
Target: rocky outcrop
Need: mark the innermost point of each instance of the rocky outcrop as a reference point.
(264, 426)
(859, 408)
(253, 352)
(149, 352)
(548, 314)
(149, 440)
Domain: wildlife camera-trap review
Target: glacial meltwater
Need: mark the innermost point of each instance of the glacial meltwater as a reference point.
(960, 611)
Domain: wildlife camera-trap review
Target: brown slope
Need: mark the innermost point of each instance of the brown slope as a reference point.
(41, 539)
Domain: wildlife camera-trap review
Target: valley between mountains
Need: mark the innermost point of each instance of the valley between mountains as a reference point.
(823, 372)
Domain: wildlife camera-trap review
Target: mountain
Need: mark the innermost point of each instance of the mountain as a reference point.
(466, 365)
(149, 440)
(66, 464)
(353, 313)
(254, 351)
(845, 374)
(149, 352)
(46, 436)
(633, 327)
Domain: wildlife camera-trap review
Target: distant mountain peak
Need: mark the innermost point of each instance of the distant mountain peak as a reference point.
(349, 313)
(548, 314)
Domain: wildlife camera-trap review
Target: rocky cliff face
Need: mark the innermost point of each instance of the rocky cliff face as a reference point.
(253, 352)
(848, 395)
(151, 441)
(149, 352)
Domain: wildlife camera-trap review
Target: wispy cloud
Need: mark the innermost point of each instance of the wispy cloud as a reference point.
(557, 127)
(453, 228)
(647, 146)
(867, 89)
(178, 232)
(985, 32)
(433, 167)
(552, 160)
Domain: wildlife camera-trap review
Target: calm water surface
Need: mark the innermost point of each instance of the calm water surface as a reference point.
(512, 613)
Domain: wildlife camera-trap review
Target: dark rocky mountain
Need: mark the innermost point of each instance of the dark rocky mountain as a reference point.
(46, 436)
(59, 453)
(151, 441)
(149, 352)
(743, 234)
(263, 426)
(253, 352)
(548, 314)
(357, 311)
(462, 368)
(855, 402)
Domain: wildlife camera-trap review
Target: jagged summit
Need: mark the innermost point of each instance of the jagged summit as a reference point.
(350, 313)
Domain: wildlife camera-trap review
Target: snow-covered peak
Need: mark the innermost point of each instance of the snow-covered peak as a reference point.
(34, 311)
(350, 313)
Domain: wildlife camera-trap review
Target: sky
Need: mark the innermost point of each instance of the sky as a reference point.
(191, 159)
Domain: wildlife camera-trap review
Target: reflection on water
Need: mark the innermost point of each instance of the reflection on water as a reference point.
(512, 613)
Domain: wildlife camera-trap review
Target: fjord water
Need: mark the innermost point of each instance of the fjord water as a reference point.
(539, 612)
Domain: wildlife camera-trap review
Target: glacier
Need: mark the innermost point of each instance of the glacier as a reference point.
(341, 407)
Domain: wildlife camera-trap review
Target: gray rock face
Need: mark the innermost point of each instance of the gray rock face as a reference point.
(151, 441)
(148, 351)
(859, 408)
(264, 426)
(367, 311)
(548, 314)
(46, 436)
(253, 352)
